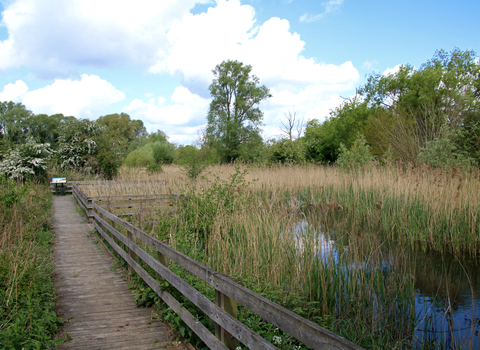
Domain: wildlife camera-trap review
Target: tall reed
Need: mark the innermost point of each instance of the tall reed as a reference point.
(27, 316)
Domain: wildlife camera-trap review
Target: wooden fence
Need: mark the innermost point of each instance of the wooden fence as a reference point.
(228, 331)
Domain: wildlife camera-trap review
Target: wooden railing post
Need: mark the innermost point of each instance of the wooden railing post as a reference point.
(229, 306)
(89, 210)
(134, 256)
(140, 215)
(114, 225)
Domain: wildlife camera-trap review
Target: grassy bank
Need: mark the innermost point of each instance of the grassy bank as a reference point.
(27, 316)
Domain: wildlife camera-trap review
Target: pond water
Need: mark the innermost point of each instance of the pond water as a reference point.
(447, 290)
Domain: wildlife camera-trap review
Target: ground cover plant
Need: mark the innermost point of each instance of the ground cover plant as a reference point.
(325, 242)
(27, 316)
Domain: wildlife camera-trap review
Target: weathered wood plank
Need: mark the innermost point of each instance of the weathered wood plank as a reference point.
(94, 298)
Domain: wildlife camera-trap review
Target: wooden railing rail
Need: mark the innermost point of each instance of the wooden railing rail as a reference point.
(227, 292)
(122, 182)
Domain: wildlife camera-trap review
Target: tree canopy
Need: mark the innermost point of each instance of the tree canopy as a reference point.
(406, 111)
(234, 116)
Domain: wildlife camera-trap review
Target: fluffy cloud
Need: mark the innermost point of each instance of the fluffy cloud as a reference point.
(13, 92)
(179, 120)
(84, 98)
(99, 33)
(230, 31)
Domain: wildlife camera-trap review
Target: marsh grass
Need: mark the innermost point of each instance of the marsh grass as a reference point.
(438, 208)
(27, 316)
(246, 224)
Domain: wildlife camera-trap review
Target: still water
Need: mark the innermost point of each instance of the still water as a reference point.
(447, 291)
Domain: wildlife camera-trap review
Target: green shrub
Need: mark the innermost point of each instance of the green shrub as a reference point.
(27, 162)
(286, 151)
(163, 152)
(357, 156)
(443, 151)
(139, 158)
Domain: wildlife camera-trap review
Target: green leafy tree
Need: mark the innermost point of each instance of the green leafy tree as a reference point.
(234, 117)
(163, 152)
(46, 129)
(444, 151)
(14, 119)
(122, 129)
(146, 138)
(286, 151)
(322, 140)
(412, 105)
(86, 146)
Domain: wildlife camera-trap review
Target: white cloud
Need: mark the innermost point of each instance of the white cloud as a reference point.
(197, 45)
(393, 70)
(84, 98)
(180, 120)
(99, 33)
(14, 92)
(330, 7)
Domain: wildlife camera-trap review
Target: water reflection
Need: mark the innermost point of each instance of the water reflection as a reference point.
(447, 301)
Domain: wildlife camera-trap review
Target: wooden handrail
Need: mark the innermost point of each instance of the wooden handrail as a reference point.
(300, 328)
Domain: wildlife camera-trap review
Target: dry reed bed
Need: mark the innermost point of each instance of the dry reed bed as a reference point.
(443, 204)
(259, 239)
(443, 189)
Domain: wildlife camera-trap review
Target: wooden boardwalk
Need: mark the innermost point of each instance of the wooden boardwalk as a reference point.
(94, 299)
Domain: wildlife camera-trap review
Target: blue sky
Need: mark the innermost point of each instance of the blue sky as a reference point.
(153, 59)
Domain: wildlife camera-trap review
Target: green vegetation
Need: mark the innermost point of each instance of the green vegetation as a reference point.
(234, 117)
(27, 315)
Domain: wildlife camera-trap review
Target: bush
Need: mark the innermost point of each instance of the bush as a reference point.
(443, 151)
(163, 152)
(357, 156)
(286, 151)
(139, 158)
(86, 146)
(27, 162)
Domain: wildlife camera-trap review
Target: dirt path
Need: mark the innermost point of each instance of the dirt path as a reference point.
(100, 310)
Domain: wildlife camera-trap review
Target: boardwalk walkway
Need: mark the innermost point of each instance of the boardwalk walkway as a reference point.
(100, 310)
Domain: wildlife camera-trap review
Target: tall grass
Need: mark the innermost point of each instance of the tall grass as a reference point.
(27, 316)
(324, 235)
(435, 207)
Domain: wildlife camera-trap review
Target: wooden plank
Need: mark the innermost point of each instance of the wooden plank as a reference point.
(208, 338)
(116, 205)
(97, 182)
(132, 213)
(137, 197)
(217, 314)
(82, 197)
